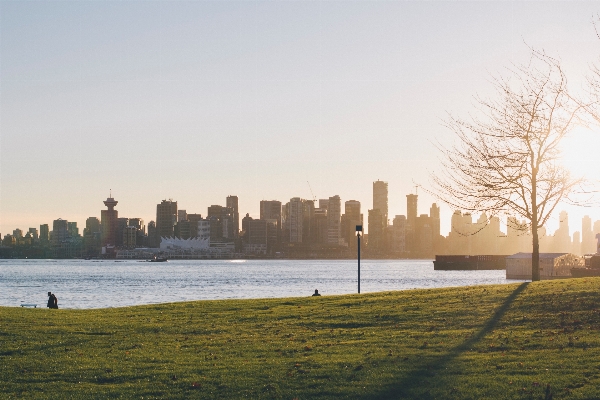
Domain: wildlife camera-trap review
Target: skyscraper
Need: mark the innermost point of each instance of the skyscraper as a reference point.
(232, 202)
(108, 220)
(294, 220)
(411, 222)
(334, 214)
(380, 199)
(166, 217)
(350, 219)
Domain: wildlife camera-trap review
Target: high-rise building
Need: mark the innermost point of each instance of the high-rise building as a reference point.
(294, 219)
(350, 219)
(108, 220)
(376, 230)
(562, 236)
(380, 200)
(588, 242)
(334, 214)
(232, 203)
(60, 231)
(129, 237)
(398, 235)
(221, 225)
(44, 233)
(270, 210)
(181, 215)
(166, 217)
(411, 221)
(73, 229)
(34, 233)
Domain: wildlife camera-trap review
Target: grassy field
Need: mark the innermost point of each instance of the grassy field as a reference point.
(521, 341)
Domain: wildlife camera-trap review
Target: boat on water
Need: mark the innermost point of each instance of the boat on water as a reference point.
(158, 259)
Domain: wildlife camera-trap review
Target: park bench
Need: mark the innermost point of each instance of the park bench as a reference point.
(28, 305)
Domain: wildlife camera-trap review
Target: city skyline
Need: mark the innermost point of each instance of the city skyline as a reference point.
(197, 100)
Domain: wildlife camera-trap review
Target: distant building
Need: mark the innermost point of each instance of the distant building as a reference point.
(350, 219)
(294, 218)
(334, 214)
(380, 200)
(108, 219)
(166, 217)
(60, 231)
(73, 229)
(231, 202)
(44, 233)
(376, 231)
(398, 244)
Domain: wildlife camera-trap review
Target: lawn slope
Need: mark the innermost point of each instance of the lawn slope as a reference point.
(519, 341)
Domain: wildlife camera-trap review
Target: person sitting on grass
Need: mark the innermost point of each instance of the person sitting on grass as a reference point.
(316, 293)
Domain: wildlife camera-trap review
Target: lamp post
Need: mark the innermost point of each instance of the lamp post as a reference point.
(358, 231)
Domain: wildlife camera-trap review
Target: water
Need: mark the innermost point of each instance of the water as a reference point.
(116, 283)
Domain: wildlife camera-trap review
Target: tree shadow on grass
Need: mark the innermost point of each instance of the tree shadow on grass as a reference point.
(405, 388)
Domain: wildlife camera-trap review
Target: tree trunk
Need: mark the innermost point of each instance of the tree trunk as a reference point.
(535, 256)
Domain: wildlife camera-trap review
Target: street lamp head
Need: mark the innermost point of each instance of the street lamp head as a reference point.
(358, 229)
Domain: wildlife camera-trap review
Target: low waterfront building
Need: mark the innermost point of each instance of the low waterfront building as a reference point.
(552, 265)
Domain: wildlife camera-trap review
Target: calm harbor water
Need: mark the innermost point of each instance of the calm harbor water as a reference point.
(116, 283)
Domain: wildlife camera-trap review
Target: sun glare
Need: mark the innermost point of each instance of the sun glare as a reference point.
(580, 154)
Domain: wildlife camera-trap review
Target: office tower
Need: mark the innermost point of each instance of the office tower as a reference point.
(255, 230)
(411, 209)
(44, 233)
(181, 215)
(308, 222)
(140, 231)
(380, 199)
(424, 236)
(222, 225)
(434, 214)
(376, 230)
(350, 219)
(562, 237)
(588, 242)
(108, 220)
(17, 233)
(92, 225)
(270, 210)
(60, 231)
(294, 220)
(194, 218)
(411, 220)
(232, 203)
(122, 223)
(183, 229)
(576, 243)
(320, 229)
(73, 229)
(324, 204)
(34, 233)
(129, 239)
(153, 240)
(334, 214)
(398, 234)
(166, 217)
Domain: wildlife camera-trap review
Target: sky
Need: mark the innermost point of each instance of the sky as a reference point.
(197, 100)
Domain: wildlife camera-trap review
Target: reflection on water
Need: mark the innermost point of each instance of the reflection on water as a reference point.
(110, 283)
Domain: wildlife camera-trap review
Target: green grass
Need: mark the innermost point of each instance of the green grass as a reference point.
(503, 341)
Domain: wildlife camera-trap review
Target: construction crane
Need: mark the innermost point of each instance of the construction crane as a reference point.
(311, 192)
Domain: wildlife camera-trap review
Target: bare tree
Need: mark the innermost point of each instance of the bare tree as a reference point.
(506, 159)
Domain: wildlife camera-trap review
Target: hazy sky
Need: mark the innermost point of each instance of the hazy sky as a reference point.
(197, 100)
